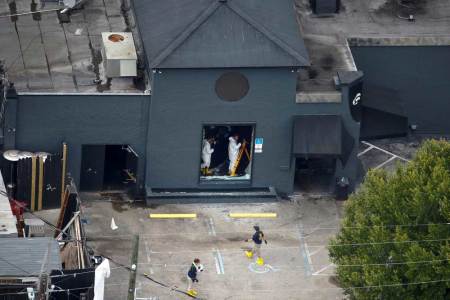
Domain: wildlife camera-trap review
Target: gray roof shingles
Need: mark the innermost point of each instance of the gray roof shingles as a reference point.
(24, 256)
(213, 33)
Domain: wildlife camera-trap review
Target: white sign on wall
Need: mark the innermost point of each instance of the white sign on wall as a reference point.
(259, 145)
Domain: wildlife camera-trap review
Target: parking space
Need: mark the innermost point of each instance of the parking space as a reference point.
(296, 260)
(388, 153)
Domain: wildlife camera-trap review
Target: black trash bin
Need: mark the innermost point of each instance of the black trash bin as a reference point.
(342, 188)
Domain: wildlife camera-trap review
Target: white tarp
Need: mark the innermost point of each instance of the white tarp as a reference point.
(103, 271)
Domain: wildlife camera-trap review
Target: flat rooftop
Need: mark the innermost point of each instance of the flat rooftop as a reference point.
(25, 256)
(328, 38)
(42, 54)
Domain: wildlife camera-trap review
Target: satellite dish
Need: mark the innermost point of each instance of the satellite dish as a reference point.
(11, 155)
(44, 155)
(25, 154)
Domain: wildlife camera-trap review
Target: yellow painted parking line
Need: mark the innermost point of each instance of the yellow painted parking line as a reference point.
(253, 215)
(173, 216)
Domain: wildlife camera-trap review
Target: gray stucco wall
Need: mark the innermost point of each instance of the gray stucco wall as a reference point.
(184, 100)
(44, 122)
(419, 76)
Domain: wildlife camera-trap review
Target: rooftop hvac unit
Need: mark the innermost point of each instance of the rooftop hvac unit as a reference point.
(34, 227)
(324, 7)
(119, 54)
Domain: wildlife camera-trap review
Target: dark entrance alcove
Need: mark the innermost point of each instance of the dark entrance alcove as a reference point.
(108, 167)
(314, 174)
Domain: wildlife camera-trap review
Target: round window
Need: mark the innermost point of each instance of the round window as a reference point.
(232, 86)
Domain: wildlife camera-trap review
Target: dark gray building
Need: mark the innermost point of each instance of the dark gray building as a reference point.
(280, 85)
(221, 68)
(405, 89)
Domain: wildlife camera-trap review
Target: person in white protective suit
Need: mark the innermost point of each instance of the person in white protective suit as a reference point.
(207, 151)
(233, 151)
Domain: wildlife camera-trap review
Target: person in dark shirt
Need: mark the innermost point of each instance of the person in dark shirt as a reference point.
(257, 238)
(192, 276)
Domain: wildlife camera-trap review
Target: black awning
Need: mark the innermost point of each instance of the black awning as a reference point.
(322, 135)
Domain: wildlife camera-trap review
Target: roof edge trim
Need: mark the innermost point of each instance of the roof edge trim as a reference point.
(271, 36)
(185, 34)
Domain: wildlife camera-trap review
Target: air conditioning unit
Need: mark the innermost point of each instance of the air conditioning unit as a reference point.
(34, 227)
(119, 54)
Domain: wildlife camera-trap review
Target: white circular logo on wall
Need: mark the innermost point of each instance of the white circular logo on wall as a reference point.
(357, 99)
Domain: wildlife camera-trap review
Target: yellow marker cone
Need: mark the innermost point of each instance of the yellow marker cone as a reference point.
(192, 293)
(260, 261)
(249, 254)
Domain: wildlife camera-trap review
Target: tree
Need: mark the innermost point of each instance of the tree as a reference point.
(401, 223)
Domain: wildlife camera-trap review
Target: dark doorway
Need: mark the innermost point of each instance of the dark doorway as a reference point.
(314, 174)
(92, 167)
(115, 165)
(108, 167)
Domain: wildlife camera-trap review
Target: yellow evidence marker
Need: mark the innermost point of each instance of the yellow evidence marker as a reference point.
(192, 293)
(260, 261)
(249, 254)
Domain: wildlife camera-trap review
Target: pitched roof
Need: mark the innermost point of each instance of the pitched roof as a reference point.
(220, 33)
(24, 256)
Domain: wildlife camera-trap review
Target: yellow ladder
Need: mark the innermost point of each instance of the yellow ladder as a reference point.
(238, 160)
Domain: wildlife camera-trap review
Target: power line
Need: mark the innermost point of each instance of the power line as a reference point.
(14, 293)
(314, 228)
(77, 273)
(85, 287)
(275, 290)
(386, 242)
(309, 245)
(336, 265)
(30, 13)
(350, 287)
(312, 245)
(17, 267)
(330, 288)
(266, 231)
(353, 244)
(386, 264)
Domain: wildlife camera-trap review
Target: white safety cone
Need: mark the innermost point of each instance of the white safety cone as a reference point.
(113, 224)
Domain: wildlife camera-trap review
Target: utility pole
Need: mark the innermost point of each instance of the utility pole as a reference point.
(133, 271)
(43, 277)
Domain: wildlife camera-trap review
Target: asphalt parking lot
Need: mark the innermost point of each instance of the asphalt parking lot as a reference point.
(296, 258)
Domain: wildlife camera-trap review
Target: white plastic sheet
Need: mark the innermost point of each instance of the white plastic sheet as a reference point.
(101, 273)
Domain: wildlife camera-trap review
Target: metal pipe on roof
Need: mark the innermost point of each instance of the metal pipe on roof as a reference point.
(30, 12)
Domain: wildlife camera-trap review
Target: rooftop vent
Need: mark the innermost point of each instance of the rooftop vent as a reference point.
(325, 7)
(119, 54)
(34, 227)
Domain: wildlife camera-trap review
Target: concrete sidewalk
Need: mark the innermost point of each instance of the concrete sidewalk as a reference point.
(296, 259)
